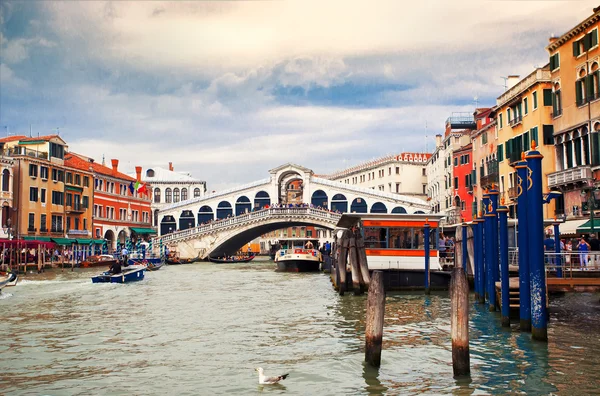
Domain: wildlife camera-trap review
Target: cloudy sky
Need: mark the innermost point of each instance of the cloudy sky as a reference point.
(228, 90)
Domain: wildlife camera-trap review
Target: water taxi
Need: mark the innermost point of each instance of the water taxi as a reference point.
(298, 256)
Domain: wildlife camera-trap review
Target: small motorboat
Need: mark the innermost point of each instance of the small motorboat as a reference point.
(231, 260)
(145, 261)
(130, 273)
(8, 279)
(99, 260)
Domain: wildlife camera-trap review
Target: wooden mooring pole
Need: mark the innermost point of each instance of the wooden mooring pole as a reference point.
(459, 322)
(362, 259)
(341, 264)
(353, 258)
(375, 316)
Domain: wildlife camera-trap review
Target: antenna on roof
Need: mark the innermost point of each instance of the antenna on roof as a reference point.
(103, 163)
(476, 99)
(30, 130)
(505, 82)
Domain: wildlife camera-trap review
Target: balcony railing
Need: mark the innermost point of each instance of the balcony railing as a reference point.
(488, 180)
(512, 193)
(515, 121)
(43, 229)
(57, 230)
(20, 150)
(556, 113)
(76, 207)
(78, 232)
(570, 176)
(31, 229)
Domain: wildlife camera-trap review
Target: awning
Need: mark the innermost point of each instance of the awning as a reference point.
(84, 241)
(39, 238)
(568, 227)
(99, 241)
(143, 230)
(587, 226)
(64, 241)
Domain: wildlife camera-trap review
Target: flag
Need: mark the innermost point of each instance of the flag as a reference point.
(143, 189)
(131, 189)
(137, 185)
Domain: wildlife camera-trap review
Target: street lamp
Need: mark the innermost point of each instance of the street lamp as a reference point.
(591, 201)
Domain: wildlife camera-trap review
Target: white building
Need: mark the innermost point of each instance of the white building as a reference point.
(168, 187)
(404, 174)
(440, 190)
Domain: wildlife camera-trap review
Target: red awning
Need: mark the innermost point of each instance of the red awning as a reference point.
(21, 243)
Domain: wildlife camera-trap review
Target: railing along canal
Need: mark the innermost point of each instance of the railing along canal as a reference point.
(241, 219)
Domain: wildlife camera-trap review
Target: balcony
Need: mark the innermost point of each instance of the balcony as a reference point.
(31, 229)
(56, 230)
(512, 193)
(461, 121)
(75, 208)
(515, 121)
(581, 174)
(78, 233)
(556, 113)
(488, 180)
(22, 151)
(43, 229)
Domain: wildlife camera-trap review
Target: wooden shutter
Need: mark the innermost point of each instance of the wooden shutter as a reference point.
(594, 38)
(548, 131)
(547, 97)
(575, 48)
(579, 92)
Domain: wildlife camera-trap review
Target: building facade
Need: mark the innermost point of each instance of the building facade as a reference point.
(484, 141)
(52, 199)
(6, 193)
(170, 187)
(463, 193)
(120, 212)
(575, 99)
(404, 174)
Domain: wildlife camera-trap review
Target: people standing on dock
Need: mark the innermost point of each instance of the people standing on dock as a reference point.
(442, 248)
(594, 248)
(583, 247)
(569, 250)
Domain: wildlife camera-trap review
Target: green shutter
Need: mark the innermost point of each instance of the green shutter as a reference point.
(589, 87)
(575, 48)
(534, 135)
(579, 92)
(554, 104)
(594, 35)
(547, 97)
(552, 62)
(526, 141)
(535, 100)
(500, 153)
(587, 42)
(525, 105)
(500, 120)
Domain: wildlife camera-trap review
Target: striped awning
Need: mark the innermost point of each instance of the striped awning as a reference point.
(571, 227)
(587, 226)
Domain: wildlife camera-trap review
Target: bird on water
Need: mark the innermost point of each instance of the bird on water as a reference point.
(264, 380)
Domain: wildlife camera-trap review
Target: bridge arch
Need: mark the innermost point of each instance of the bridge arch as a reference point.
(224, 210)
(378, 207)
(419, 212)
(320, 198)
(359, 205)
(399, 209)
(339, 203)
(261, 199)
(205, 214)
(168, 225)
(187, 220)
(242, 205)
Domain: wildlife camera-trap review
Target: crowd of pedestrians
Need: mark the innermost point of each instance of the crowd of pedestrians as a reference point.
(581, 252)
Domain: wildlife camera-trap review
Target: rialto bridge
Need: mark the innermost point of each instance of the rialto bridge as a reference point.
(222, 222)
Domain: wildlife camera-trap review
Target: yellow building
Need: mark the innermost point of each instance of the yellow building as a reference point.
(523, 115)
(51, 200)
(575, 79)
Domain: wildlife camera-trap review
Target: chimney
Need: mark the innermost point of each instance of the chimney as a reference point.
(511, 81)
(171, 166)
(438, 140)
(552, 39)
(138, 173)
(115, 165)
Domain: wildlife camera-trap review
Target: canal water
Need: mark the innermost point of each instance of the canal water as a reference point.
(202, 329)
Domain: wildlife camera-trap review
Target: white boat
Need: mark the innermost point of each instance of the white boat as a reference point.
(8, 279)
(298, 256)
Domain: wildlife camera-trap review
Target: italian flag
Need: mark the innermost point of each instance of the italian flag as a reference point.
(140, 188)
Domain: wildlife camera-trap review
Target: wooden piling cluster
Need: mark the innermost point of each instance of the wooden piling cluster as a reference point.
(350, 256)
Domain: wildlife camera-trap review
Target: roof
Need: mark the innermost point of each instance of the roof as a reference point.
(165, 175)
(78, 162)
(580, 27)
(12, 138)
(46, 138)
(402, 157)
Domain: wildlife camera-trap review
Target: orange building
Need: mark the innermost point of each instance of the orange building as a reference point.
(119, 214)
(575, 96)
(51, 199)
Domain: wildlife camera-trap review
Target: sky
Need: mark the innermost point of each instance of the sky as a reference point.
(228, 90)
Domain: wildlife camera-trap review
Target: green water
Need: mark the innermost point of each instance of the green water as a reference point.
(202, 329)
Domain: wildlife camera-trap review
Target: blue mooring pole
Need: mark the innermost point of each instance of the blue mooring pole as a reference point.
(426, 242)
(481, 260)
(494, 261)
(487, 242)
(523, 244)
(465, 254)
(558, 261)
(476, 247)
(539, 311)
(504, 279)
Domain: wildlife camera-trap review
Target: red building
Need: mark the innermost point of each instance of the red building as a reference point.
(118, 214)
(462, 184)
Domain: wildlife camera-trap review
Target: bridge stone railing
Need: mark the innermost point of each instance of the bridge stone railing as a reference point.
(195, 232)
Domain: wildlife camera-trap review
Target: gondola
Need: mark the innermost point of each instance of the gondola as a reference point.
(232, 260)
(177, 261)
(151, 266)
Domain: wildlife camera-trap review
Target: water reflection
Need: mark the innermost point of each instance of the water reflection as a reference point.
(374, 385)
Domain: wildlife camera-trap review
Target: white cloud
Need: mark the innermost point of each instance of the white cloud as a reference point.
(17, 50)
(9, 81)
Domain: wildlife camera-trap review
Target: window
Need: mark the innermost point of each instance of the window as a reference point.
(86, 201)
(44, 172)
(196, 192)
(43, 195)
(176, 195)
(484, 138)
(500, 120)
(43, 223)
(588, 41)
(456, 182)
(5, 180)
(556, 103)
(157, 195)
(534, 97)
(33, 194)
(397, 170)
(548, 131)
(184, 193)
(58, 198)
(547, 97)
(424, 171)
(168, 195)
(69, 178)
(57, 223)
(68, 223)
(525, 104)
(84, 224)
(57, 175)
(554, 62)
(534, 135)
(508, 115)
(33, 170)
(31, 222)
(86, 181)
(69, 199)
(78, 180)
(57, 151)
(76, 221)
(500, 152)
(455, 161)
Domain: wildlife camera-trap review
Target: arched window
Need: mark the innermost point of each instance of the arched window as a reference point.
(5, 180)
(168, 195)
(156, 218)
(183, 194)
(196, 192)
(157, 195)
(175, 195)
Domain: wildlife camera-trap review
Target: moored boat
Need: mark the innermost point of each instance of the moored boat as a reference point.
(302, 257)
(128, 274)
(100, 260)
(231, 260)
(8, 279)
(145, 261)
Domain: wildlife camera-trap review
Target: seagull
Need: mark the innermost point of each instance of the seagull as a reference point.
(262, 380)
